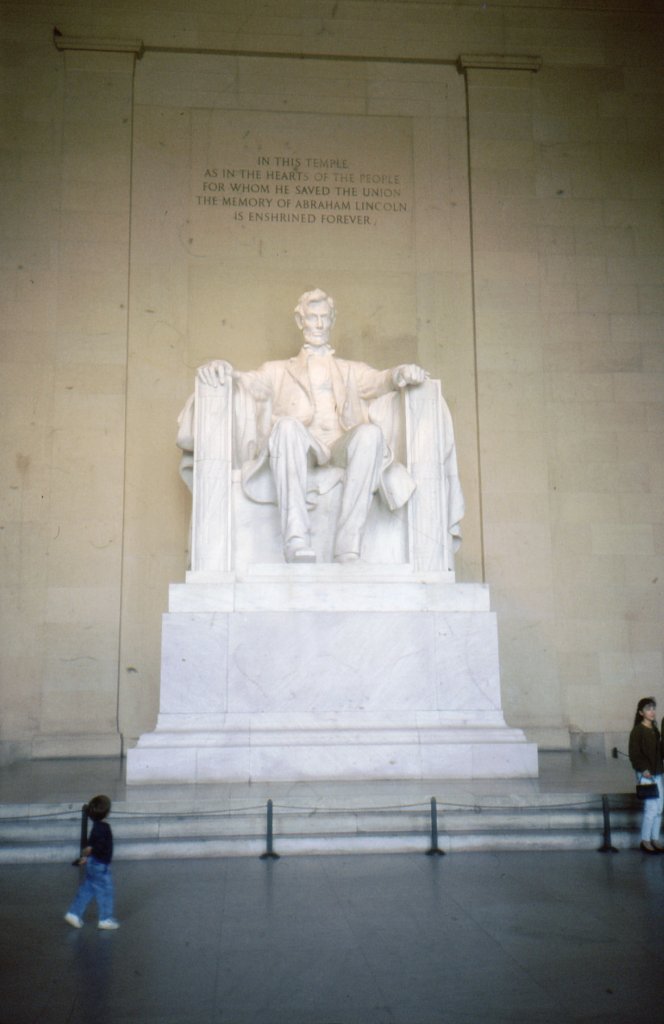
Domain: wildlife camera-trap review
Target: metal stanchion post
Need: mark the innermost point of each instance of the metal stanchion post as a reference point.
(606, 846)
(83, 838)
(269, 852)
(435, 849)
(84, 826)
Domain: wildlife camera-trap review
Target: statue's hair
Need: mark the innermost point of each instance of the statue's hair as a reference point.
(317, 295)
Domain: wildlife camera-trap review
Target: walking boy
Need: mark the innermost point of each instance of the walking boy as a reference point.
(97, 856)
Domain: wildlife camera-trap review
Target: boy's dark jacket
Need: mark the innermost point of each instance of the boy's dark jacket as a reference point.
(100, 842)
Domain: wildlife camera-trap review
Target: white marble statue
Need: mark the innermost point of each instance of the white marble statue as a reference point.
(384, 668)
(317, 410)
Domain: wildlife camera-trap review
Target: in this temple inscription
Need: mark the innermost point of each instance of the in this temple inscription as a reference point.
(305, 190)
(316, 411)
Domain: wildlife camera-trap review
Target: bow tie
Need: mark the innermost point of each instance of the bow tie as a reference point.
(317, 350)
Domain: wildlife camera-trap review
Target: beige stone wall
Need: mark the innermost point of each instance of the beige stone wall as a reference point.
(64, 340)
(530, 280)
(566, 185)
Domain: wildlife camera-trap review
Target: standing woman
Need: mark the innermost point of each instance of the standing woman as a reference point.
(645, 753)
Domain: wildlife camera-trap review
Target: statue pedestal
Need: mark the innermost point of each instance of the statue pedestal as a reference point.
(293, 672)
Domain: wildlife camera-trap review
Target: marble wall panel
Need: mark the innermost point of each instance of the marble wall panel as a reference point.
(223, 285)
(386, 668)
(289, 664)
(195, 651)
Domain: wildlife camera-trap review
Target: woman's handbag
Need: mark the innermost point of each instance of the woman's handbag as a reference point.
(647, 790)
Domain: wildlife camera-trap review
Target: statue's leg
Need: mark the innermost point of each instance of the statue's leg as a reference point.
(360, 452)
(288, 446)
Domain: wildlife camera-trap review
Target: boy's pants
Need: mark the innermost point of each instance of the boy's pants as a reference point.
(97, 884)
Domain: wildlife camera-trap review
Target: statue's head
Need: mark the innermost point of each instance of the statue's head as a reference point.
(315, 314)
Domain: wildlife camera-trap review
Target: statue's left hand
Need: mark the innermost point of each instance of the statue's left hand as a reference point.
(216, 372)
(408, 374)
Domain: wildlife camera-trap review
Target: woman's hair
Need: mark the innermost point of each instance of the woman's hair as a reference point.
(643, 703)
(98, 808)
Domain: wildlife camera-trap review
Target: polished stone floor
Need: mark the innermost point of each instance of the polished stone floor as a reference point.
(480, 938)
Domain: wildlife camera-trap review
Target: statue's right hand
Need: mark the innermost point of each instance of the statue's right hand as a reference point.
(218, 371)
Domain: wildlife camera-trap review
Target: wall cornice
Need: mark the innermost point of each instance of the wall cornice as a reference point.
(499, 62)
(97, 44)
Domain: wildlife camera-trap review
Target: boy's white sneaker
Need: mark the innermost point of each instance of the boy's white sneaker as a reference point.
(73, 920)
(109, 924)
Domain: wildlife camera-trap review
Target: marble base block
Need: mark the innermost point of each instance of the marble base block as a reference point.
(296, 675)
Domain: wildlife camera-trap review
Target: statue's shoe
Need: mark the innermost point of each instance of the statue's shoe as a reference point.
(297, 550)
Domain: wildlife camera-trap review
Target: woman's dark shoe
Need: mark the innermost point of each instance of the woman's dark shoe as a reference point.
(648, 847)
(658, 848)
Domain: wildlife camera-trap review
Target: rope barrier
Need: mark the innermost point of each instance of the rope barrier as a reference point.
(326, 812)
(313, 809)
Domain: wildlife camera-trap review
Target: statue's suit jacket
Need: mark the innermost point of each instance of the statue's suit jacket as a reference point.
(286, 382)
(286, 386)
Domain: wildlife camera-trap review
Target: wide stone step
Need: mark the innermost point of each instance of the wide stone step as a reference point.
(50, 832)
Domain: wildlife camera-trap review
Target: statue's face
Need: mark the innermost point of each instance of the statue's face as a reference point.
(316, 323)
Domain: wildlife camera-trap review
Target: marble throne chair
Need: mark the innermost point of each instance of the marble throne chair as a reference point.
(232, 533)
